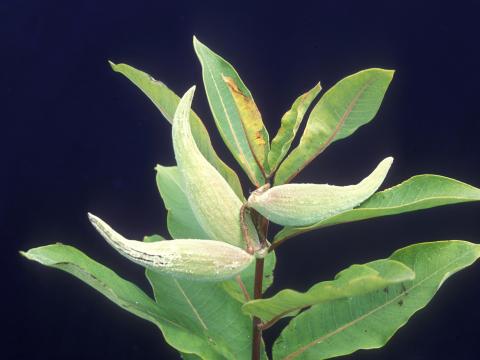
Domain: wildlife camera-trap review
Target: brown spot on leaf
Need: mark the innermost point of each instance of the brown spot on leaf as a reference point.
(231, 84)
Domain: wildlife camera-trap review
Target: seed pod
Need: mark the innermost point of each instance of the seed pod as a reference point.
(306, 204)
(214, 203)
(202, 260)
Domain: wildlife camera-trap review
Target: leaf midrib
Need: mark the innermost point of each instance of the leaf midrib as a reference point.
(250, 171)
(337, 129)
(190, 304)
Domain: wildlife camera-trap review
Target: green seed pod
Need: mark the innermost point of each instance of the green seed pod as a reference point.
(306, 204)
(202, 260)
(214, 203)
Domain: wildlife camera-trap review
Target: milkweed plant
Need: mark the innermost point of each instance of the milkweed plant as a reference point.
(208, 281)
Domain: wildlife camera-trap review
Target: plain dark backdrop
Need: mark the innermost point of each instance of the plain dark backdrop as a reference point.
(77, 137)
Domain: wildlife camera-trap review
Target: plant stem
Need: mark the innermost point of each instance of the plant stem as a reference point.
(257, 292)
(258, 289)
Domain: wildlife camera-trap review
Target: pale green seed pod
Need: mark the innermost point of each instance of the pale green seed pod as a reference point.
(214, 203)
(202, 260)
(307, 204)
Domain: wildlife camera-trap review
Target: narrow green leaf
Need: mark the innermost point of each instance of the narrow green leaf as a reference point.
(123, 293)
(224, 109)
(167, 101)
(210, 315)
(349, 104)
(353, 281)
(255, 131)
(181, 221)
(289, 125)
(340, 327)
(417, 193)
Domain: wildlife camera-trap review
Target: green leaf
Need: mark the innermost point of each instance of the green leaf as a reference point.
(255, 131)
(190, 357)
(289, 125)
(121, 292)
(353, 281)
(212, 317)
(417, 193)
(340, 327)
(181, 221)
(167, 101)
(349, 104)
(225, 112)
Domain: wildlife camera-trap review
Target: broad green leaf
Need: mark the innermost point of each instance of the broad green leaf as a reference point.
(349, 104)
(167, 101)
(225, 112)
(417, 193)
(353, 281)
(121, 292)
(340, 327)
(211, 316)
(257, 134)
(181, 221)
(289, 125)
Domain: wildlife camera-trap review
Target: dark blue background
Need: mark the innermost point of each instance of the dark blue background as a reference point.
(77, 137)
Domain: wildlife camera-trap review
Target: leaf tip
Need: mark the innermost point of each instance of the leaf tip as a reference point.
(389, 73)
(31, 255)
(113, 66)
(196, 42)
